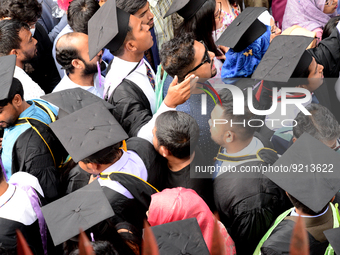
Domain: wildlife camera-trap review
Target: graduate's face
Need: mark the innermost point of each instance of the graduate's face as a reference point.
(10, 113)
(28, 46)
(315, 77)
(206, 69)
(141, 34)
(155, 140)
(145, 15)
(330, 6)
(275, 31)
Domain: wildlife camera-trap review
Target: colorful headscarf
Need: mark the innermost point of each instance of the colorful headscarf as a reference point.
(306, 13)
(244, 63)
(180, 204)
(63, 4)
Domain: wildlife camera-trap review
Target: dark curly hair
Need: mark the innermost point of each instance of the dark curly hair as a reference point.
(178, 132)
(177, 55)
(28, 11)
(79, 13)
(321, 124)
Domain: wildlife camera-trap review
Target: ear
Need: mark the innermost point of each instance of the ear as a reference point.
(17, 100)
(130, 45)
(164, 151)
(294, 139)
(332, 199)
(13, 52)
(229, 136)
(78, 64)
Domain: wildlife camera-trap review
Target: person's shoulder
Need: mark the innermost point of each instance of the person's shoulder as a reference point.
(46, 104)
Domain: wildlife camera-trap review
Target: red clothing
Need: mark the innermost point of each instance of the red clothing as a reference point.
(180, 204)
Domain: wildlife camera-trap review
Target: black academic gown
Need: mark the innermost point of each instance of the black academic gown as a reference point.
(248, 203)
(44, 70)
(131, 107)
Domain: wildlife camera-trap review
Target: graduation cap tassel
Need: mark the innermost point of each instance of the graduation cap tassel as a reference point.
(85, 247)
(218, 247)
(22, 246)
(149, 246)
(299, 242)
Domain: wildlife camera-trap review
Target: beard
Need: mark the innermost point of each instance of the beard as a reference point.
(92, 68)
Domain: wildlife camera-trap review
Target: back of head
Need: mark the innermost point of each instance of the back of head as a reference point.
(9, 35)
(202, 25)
(243, 131)
(331, 24)
(177, 55)
(100, 248)
(66, 51)
(24, 10)
(321, 124)
(105, 156)
(16, 88)
(178, 132)
(297, 204)
(130, 6)
(79, 13)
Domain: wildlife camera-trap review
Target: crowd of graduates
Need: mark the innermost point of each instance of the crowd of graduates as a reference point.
(214, 122)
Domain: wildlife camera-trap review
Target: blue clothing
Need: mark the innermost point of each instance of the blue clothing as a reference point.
(12, 133)
(244, 63)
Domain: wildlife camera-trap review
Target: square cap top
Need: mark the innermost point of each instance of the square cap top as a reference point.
(282, 58)
(309, 171)
(71, 100)
(180, 237)
(81, 209)
(185, 8)
(333, 237)
(7, 67)
(107, 28)
(244, 30)
(88, 131)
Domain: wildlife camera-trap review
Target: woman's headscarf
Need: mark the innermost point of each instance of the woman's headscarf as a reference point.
(179, 204)
(306, 13)
(244, 63)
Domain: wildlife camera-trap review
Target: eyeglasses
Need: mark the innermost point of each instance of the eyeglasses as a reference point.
(329, 2)
(217, 14)
(206, 59)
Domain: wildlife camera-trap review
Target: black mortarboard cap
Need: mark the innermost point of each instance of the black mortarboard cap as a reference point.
(185, 8)
(7, 67)
(333, 237)
(244, 30)
(88, 131)
(309, 171)
(107, 28)
(180, 237)
(81, 209)
(140, 189)
(282, 58)
(71, 100)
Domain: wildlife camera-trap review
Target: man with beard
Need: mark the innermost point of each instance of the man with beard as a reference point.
(28, 144)
(72, 54)
(141, 10)
(16, 39)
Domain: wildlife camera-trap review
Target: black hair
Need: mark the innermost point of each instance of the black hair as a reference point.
(100, 248)
(329, 27)
(202, 24)
(105, 156)
(178, 132)
(321, 124)
(9, 35)
(129, 36)
(131, 6)
(177, 55)
(27, 11)
(244, 131)
(79, 13)
(65, 55)
(16, 88)
(297, 204)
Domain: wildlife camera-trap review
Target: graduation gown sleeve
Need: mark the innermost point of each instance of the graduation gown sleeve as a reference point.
(132, 108)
